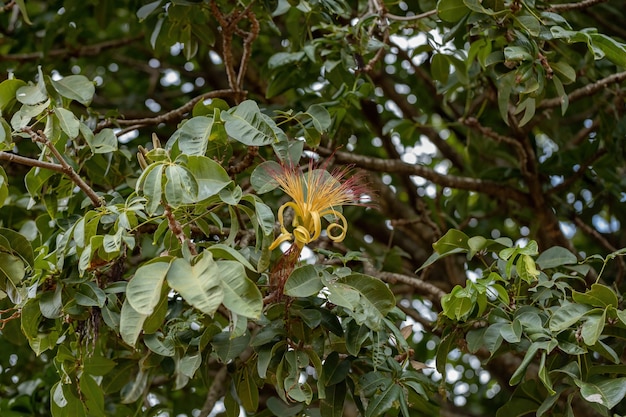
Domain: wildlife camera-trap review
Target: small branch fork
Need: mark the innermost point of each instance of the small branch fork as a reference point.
(3, 321)
(230, 26)
(62, 167)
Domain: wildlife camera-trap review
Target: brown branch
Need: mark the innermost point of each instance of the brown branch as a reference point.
(62, 167)
(177, 229)
(585, 91)
(427, 289)
(492, 134)
(87, 50)
(574, 6)
(168, 117)
(216, 390)
(491, 188)
(3, 321)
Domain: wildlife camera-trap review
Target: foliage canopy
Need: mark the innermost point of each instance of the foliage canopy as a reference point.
(313, 207)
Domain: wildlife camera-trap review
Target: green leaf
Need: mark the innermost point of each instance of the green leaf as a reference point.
(332, 405)
(144, 288)
(519, 373)
(92, 396)
(181, 187)
(374, 299)
(160, 345)
(199, 284)
(452, 240)
(11, 268)
(452, 10)
(556, 256)
(303, 282)
(615, 51)
(262, 178)
(567, 315)
(529, 23)
(241, 295)
(33, 94)
(227, 348)
(246, 124)
(131, 323)
(193, 136)
(68, 121)
(384, 401)
(592, 327)
(8, 91)
(440, 68)
(607, 392)
(280, 408)
(221, 251)
(247, 391)
(210, 176)
(147, 9)
(526, 269)
(76, 87)
(598, 296)
(104, 141)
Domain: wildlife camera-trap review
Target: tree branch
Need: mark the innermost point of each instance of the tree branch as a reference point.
(491, 188)
(574, 6)
(63, 167)
(411, 18)
(216, 390)
(87, 50)
(170, 116)
(585, 91)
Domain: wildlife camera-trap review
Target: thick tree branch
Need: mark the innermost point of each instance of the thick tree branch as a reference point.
(491, 188)
(585, 91)
(86, 50)
(168, 117)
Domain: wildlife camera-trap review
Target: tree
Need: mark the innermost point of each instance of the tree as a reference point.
(323, 207)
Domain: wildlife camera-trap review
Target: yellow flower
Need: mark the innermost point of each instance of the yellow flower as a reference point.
(315, 194)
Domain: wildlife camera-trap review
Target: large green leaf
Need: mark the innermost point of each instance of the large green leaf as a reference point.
(373, 302)
(452, 10)
(131, 323)
(181, 186)
(210, 176)
(76, 87)
(199, 283)
(144, 288)
(607, 392)
(241, 295)
(246, 124)
(567, 315)
(68, 121)
(304, 282)
(193, 136)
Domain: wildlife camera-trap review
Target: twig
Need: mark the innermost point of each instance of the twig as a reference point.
(87, 50)
(604, 242)
(567, 183)
(63, 166)
(492, 188)
(411, 18)
(16, 314)
(177, 230)
(574, 6)
(217, 389)
(585, 91)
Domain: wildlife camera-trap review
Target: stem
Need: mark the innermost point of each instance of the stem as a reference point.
(63, 167)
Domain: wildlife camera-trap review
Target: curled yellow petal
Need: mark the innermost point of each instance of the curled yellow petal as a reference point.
(283, 237)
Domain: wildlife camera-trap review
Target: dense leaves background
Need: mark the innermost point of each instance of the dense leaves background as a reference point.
(482, 276)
